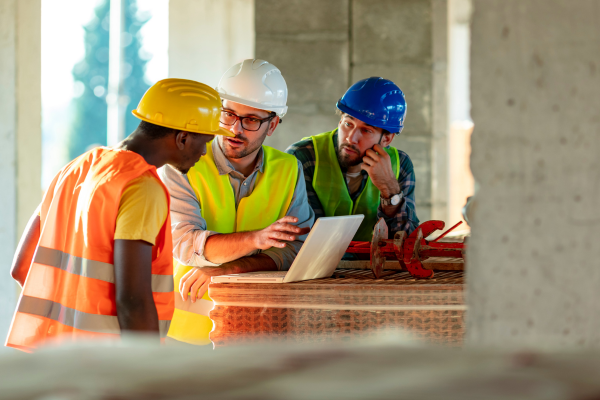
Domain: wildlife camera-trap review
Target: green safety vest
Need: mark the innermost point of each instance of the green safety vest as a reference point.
(332, 191)
(268, 202)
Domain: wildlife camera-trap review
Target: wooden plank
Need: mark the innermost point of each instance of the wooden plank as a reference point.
(444, 264)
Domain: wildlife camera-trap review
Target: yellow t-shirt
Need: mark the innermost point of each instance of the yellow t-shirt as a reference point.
(142, 211)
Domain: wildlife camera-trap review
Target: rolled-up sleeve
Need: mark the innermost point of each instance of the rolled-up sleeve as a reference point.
(187, 225)
(299, 208)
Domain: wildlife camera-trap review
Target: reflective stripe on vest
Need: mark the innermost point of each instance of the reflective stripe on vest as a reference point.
(74, 318)
(93, 269)
(332, 191)
(69, 292)
(269, 201)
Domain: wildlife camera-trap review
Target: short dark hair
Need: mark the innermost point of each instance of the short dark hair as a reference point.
(155, 131)
(341, 114)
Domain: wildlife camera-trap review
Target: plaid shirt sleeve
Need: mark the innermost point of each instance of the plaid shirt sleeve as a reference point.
(305, 152)
(406, 217)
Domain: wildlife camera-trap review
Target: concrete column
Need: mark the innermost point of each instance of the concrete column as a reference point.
(533, 273)
(206, 37)
(20, 134)
(460, 182)
(440, 190)
(308, 40)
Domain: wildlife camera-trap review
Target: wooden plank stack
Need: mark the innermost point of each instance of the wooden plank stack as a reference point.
(349, 305)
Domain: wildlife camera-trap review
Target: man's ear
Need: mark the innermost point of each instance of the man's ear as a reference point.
(272, 125)
(181, 138)
(387, 139)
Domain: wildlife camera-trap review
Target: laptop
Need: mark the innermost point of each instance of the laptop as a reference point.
(318, 258)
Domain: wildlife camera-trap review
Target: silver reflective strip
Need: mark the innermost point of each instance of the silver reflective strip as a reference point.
(93, 269)
(163, 327)
(77, 319)
(69, 316)
(162, 283)
(75, 265)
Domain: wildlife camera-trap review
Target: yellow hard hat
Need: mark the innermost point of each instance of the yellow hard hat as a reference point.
(184, 105)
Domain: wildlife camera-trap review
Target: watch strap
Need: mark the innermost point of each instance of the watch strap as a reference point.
(388, 202)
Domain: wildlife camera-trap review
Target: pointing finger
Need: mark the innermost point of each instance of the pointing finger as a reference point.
(286, 228)
(287, 219)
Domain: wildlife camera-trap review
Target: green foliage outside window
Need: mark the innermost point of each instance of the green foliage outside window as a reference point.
(89, 128)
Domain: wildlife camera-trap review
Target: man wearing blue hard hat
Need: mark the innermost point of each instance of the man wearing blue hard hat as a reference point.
(353, 170)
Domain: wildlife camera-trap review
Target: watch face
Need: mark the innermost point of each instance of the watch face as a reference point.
(395, 199)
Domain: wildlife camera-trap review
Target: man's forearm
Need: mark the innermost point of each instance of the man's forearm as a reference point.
(137, 315)
(136, 310)
(223, 248)
(258, 262)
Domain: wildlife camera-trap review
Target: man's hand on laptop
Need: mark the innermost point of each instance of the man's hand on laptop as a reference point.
(276, 234)
(195, 282)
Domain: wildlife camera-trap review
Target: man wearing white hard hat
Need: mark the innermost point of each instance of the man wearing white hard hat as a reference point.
(243, 207)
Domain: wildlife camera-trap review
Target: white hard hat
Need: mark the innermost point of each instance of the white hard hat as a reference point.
(255, 83)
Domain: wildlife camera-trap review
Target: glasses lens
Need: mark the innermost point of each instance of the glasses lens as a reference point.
(227, 118)
(251, 124)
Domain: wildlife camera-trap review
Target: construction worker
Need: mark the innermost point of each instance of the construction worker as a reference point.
(96, 261)
(353, 170)
(241, 208)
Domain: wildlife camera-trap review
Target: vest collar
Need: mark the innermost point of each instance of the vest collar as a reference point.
(225, 167)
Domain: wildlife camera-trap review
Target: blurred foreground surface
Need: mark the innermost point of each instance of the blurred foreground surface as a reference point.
(388, 370)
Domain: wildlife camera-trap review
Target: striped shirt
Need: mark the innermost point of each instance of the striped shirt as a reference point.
(406, 217)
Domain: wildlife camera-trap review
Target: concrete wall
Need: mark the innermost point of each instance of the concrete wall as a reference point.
(533, 267)
(322, 47)
(206, 37)
(20, 134)
(308, 40)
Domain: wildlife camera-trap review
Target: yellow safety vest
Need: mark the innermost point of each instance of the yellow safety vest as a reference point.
(332, 190)
(268, 202)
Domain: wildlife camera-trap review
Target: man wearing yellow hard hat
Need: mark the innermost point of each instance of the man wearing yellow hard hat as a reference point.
(96, 260)
(241, 208)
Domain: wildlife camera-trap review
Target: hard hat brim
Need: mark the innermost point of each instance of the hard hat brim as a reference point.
(220, 131)
(280, 111)
(390, 128)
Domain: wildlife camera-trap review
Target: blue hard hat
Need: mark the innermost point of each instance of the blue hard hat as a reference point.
(377, 102)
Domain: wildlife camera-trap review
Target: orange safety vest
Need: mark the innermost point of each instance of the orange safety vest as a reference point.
(69, 292)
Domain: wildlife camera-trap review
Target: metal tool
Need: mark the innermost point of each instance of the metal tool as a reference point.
(409, 251)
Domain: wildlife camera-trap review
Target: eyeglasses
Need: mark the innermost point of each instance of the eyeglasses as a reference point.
(248, 123)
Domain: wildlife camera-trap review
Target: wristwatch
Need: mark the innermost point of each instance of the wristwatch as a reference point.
(392, 201)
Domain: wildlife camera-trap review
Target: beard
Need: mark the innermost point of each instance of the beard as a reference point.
(346, 160)
(241, 152)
